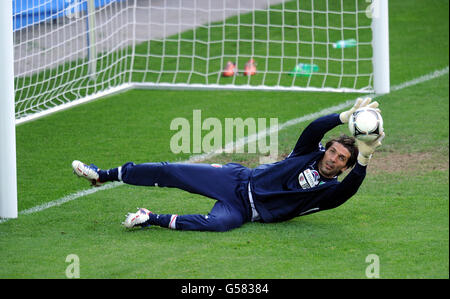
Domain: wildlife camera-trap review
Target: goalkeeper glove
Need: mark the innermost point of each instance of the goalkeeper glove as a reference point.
(360, 103)
(366, 149)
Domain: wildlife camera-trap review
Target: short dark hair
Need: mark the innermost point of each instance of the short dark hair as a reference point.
(350, 144)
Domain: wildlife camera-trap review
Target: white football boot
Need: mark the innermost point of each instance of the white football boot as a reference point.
(89, 172)
(136, 219)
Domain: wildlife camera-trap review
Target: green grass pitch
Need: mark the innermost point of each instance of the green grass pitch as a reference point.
(400, 213)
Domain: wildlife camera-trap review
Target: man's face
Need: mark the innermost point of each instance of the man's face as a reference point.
(334, 160)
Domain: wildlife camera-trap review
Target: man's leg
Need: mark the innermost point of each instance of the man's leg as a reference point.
(214, 181)
(211, 180)
(223, 217)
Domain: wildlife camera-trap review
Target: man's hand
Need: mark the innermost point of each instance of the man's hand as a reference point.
(366, 149)
(360, 103)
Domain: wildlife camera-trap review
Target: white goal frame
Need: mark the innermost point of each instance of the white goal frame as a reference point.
(377, 10)
(8, 175)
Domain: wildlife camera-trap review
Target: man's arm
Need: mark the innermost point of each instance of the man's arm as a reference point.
(312, 135)
(343, 191)
(351, 183)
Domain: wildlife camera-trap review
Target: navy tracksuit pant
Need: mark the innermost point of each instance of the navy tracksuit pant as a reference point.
(227, 184)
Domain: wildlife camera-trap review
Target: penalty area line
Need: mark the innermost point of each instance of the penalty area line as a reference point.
(238, 143)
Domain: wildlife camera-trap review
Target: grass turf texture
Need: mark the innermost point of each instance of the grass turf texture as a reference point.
(400, 213)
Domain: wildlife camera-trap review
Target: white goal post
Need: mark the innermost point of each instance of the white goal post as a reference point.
(8, 176)
(67, 52)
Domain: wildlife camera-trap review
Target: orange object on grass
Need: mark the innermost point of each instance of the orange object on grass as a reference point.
(250, 68)
(230, 69)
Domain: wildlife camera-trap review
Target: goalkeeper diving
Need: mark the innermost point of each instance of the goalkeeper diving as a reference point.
(305, 182)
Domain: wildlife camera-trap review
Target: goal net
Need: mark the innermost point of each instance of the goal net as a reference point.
(70, 51)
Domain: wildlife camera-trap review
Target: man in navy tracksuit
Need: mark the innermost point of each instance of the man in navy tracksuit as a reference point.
(303, 183)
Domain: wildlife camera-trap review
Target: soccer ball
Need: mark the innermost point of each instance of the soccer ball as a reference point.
(366, 124)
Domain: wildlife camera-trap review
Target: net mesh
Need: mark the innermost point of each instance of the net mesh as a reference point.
(67, 50)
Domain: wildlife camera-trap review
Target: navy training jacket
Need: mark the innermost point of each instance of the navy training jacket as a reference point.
(279, 191)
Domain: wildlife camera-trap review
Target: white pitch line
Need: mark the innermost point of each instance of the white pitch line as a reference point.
(241, 142)
(421, 79)
(65, 199)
